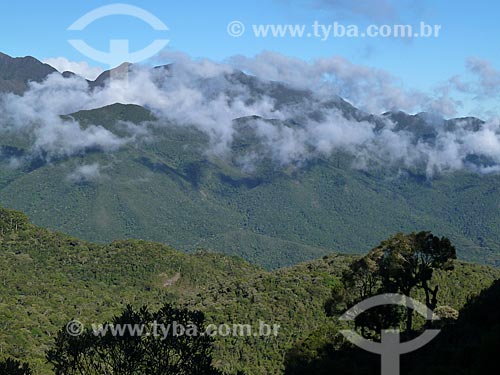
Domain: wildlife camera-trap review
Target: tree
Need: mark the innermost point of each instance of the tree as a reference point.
(409, 261)
(401, 264)
(14, 367)
(134, 352)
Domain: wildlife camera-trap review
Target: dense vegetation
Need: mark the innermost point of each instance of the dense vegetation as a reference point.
(166, 189)
(11, 366)
(133, 352)
(49, 278)
(403, 264)
(468, 345)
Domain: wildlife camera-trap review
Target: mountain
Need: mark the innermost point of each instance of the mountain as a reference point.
(118, 72)
(167, 190)
(425, 125)
(168, 187)
(16, 73)
(49, 278)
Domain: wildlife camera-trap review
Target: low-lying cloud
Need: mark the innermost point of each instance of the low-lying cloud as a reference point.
(85, 173)
(293, 123)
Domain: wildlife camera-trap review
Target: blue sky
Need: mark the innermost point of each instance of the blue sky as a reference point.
(198, 28)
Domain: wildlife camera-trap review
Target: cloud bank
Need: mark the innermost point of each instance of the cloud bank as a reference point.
(371, 89)
(293, 122)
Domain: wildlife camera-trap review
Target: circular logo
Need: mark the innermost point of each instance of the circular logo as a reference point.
(390, 347)
(119, 48)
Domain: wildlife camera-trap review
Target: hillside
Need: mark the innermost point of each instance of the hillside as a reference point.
(468, 345)
(49, 278)
(166, 189)
(238, 165)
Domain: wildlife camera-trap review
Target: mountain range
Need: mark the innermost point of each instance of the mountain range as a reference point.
(168, 186)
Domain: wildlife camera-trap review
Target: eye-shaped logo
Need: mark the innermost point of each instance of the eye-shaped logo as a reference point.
(390, 348)
(119, 48)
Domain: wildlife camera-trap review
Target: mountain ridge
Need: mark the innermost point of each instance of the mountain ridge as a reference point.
(126, 67)
(167, 186)
(16, 73)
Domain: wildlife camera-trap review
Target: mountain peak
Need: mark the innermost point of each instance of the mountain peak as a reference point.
(118, 72)
(17, 72)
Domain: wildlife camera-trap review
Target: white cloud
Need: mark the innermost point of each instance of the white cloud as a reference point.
(81, 68)
(374, 90)
(36, 116)
(488, 77)
(85, 173)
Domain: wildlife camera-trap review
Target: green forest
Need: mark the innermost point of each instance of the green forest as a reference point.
(49, 278)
